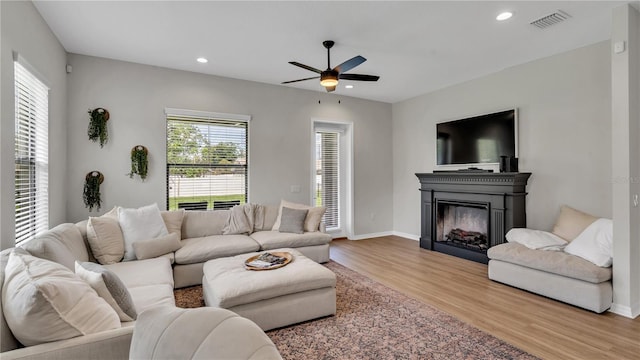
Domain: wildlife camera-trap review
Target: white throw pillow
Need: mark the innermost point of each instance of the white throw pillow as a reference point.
(311, 222)
(109, 287)
(536, 239)
(140, 224)
(44, 301)
(595, 243)
(105, 238)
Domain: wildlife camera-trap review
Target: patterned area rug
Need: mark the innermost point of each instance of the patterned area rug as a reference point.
(376, 322)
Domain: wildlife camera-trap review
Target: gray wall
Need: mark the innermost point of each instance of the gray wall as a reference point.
(25, 32)
(565, 133)
(279, 138)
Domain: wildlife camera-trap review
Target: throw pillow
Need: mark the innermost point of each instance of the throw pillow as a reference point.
(173, 221)
(240, 220)
(571, 222)
(44, 301)
(312, 221)
(536, 239)
(595, 243)
(292, 220)
(146, 249)
(109, 286)
(105, 239)
(140, 224)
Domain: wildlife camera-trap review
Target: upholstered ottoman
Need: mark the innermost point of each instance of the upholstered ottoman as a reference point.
(300, 291)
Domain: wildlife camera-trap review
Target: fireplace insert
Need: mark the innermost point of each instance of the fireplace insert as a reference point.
(463, 224)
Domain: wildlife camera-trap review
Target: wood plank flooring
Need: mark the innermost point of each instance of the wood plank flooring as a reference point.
(543, 327)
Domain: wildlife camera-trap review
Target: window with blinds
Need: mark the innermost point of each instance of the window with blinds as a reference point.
(206, 162)
(31, 154)
(327, 177)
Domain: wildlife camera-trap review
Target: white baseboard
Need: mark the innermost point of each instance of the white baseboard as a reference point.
(371, 235)
(406, 235)
(384, 233)
(625, 311)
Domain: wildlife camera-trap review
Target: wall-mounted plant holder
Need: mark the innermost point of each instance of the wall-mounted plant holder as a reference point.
(98, 125)
(139, 161)
(91, 193)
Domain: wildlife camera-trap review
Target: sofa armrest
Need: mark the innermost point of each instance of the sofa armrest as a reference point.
(323, 227)
(111, 344)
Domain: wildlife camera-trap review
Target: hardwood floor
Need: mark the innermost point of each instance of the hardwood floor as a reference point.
(543, 327)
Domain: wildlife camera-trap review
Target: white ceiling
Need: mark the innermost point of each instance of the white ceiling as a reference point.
(415, 47)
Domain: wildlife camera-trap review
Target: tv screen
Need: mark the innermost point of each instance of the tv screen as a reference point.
(477, 140)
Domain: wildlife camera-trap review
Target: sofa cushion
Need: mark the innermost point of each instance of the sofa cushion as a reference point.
(556, 262)
(571, 222)
(150, 281)
(203, 223)
(147, 249)
(154, 271)
(173, 221)
(292, 220)
(105, 239)
(62, 244)
(312, 220)
(269, 240)
(140, 224)
(201, 249)
(44, 301)
(109, 287)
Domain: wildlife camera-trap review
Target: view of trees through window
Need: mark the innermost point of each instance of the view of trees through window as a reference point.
(206, 163)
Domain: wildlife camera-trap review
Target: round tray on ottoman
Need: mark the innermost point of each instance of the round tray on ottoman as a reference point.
(303, 290)
(287, 259)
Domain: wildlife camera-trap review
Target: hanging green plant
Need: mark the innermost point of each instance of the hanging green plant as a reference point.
(139, 161)
(98, 125)
(91, 193)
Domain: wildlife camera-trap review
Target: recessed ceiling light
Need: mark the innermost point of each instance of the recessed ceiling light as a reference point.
(202, 60)
(348, 86)
(504, 16)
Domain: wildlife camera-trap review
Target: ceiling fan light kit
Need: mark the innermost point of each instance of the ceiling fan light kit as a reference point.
(330, 77)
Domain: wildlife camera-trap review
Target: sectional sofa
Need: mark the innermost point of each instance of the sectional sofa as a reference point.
(151, 281)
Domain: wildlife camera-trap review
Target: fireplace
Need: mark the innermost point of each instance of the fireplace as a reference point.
(463, 224)
(464, 214)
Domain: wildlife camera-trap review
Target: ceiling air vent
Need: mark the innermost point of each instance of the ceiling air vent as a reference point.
(551, 19)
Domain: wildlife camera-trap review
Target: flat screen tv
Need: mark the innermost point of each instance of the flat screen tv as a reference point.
(477, 140)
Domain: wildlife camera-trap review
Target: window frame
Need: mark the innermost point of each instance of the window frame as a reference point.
(205, 117)
(31, 138)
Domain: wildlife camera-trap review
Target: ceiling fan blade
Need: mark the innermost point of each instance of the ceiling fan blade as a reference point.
(349, 64)
(305, 67)
(292, 81)
(359, 77)
(330, 88)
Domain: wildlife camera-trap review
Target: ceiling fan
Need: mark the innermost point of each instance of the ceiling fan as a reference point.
(329, 78)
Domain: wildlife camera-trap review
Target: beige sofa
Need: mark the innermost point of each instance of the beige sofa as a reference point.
(559, 275)
(554, 274)
(202, 240)
(150, 281)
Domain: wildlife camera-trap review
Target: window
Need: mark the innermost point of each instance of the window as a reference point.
(327, 176)
(206, 160)
(31, 154)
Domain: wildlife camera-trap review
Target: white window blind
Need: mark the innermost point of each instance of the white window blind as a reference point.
(31, 154)
(206, 162)
(327, 176)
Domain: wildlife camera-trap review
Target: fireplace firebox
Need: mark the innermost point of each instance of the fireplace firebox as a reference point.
(464, 214)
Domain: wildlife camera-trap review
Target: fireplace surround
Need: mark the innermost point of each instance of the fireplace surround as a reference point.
(465, 213)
